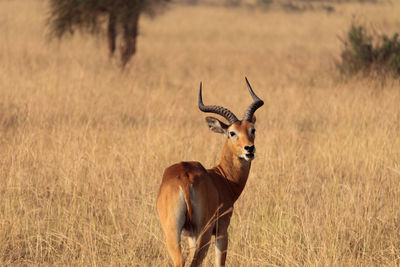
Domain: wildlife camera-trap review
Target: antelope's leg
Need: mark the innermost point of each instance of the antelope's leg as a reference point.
(221, 245)
(203, 243)
(172, 218)
(192, 246)
(174, 249)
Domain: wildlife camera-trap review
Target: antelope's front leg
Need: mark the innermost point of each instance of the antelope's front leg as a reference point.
(221, 245)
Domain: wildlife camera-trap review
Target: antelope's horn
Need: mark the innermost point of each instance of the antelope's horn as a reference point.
(224, 112)
(257, 102)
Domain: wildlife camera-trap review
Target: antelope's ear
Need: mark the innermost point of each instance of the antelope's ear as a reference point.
(216, 125)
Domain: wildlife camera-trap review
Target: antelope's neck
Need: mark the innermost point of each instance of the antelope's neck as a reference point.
(235, 170)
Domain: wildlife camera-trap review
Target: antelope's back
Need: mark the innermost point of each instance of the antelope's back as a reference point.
(197, 186)
(185, 174)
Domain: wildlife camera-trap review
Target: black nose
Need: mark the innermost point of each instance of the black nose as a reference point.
(250, 149)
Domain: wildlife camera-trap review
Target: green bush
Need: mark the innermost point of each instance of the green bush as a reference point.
(370, 54)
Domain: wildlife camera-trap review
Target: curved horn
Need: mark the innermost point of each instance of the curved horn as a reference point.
(257, 102)
(224, 112)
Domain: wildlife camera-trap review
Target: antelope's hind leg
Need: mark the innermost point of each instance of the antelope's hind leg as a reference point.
(221, 245)
(172, 213)
(203, 243)
(174, 248)
(192, 246)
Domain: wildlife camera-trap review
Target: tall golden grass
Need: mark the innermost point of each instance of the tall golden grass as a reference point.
(83, 145)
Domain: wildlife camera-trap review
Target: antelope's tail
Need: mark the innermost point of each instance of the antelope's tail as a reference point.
(187, 191)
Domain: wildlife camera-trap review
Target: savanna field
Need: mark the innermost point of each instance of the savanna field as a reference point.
(83, 145)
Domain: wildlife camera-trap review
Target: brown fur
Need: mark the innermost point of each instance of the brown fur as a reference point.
(215, 191)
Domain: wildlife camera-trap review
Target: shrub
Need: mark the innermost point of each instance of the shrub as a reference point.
(264, 2)
(122, 18)
(370, 53)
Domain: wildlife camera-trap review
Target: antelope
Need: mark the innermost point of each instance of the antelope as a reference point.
(198, 202)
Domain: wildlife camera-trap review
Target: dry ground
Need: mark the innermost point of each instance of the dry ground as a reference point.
(83, 145)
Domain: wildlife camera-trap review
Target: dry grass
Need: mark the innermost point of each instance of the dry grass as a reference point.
(83, 146)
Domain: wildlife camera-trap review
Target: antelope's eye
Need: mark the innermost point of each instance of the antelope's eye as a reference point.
(232, 134)
(253, 131)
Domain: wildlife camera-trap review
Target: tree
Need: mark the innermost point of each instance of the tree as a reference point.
(121, 16)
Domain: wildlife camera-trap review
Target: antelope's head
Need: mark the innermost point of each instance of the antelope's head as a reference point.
(240, 134)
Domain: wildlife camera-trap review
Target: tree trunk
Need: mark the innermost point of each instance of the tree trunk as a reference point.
(130, 32)
(112, 33)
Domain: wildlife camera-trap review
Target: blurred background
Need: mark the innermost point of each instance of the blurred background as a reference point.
(97, 98)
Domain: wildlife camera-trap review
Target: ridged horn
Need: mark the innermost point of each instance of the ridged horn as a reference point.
(257, 102)
(224, 112)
